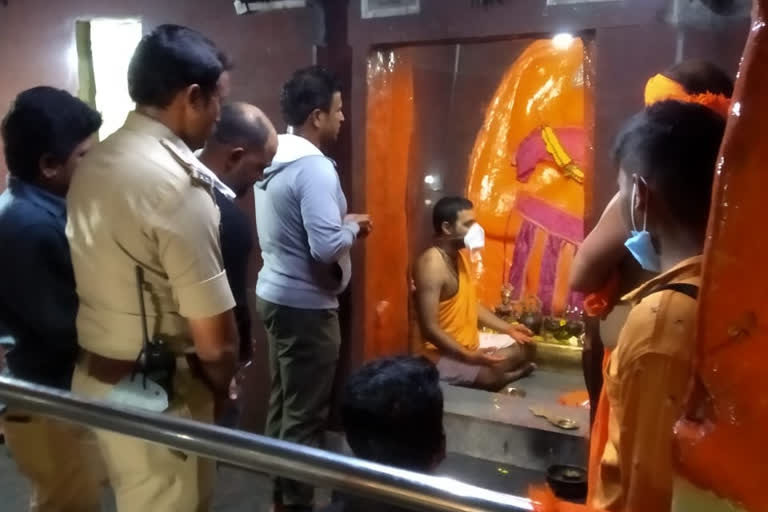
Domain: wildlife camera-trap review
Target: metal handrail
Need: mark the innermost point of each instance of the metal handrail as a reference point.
(258, 453)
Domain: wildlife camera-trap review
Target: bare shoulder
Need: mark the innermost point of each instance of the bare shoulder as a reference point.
(430, 266)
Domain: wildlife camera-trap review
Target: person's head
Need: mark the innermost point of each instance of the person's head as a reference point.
(700, 77)
(666, 157)
(243, 144)
(180, 76)
(452, 217)
(45, 133)
(693, 81)
(311, 103)
(392, 410)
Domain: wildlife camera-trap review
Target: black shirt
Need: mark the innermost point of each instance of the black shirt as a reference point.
(38, 301)
(236, 246)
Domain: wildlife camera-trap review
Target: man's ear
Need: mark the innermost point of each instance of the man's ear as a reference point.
(234, 156)
(193, 96)
(316, 116)
(641, 193)
(48, 166)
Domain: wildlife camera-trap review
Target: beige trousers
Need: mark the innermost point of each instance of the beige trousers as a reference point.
(60, 460)
(148, 477)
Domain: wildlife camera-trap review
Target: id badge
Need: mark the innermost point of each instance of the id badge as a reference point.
(131, 392)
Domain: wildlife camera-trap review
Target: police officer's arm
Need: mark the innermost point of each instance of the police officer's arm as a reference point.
(188, 237)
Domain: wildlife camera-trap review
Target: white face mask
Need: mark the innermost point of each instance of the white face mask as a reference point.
(475, 237)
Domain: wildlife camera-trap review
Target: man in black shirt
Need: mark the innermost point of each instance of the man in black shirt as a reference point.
(241, 147)
(45, 134)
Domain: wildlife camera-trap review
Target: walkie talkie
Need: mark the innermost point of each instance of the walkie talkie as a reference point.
(156, 361)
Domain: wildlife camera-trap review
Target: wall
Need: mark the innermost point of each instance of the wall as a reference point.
(37, 40)
(37, 43)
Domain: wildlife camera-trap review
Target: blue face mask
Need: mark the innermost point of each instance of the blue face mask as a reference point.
(640, 243)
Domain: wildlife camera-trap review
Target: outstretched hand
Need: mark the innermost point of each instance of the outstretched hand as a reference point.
(520, 333)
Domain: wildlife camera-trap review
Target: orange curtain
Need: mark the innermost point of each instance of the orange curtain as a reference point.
(389, 127)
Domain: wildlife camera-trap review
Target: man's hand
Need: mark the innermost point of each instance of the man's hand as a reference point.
(520, 333)
(484, 357)
(362, 220)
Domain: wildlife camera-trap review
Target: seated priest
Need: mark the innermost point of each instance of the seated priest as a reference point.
(449, 312)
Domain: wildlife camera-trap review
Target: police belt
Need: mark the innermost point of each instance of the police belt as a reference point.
(112, 371)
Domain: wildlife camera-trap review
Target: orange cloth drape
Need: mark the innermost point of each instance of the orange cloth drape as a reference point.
(457, 316)
(389, 126)
(599, 435)
(722, 448)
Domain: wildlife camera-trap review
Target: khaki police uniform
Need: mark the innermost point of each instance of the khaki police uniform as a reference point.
(139, 198)
(60, 459)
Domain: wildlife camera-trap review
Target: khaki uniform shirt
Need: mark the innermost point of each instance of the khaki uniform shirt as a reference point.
(138, 198)
(646, 384)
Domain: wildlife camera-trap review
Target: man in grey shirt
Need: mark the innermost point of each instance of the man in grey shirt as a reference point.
(305, 237)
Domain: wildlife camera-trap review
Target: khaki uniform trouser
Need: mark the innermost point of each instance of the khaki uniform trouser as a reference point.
(149, 477)
(61, 461)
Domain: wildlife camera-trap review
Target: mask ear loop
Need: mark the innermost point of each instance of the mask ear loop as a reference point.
(632, 205)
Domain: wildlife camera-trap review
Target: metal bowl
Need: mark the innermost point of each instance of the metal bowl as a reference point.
(566, 423)
(568, 482)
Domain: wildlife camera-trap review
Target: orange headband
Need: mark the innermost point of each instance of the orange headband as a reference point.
(660, 88)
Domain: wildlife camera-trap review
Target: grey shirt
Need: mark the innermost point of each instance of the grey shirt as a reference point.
(305, 243)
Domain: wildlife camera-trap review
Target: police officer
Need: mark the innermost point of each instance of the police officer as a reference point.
(139, 204)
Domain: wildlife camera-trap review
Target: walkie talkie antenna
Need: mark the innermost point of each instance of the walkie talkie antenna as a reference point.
(142, 309)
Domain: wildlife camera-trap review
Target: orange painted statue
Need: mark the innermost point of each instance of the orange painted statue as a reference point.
(527, 172)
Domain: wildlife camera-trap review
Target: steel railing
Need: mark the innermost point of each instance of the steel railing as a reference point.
(258, 453)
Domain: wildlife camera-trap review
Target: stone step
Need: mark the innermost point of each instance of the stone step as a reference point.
(501, 428)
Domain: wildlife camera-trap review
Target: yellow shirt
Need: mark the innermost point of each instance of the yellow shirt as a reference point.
(140, 198)
(457, 316)
(646, 384)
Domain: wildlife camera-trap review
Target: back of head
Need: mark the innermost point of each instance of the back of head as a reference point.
(447, 210)
(674, 147)
(45, 122)
(308, 89)
(701, 77)
(243, 125)
(170, 59)
(393, 413)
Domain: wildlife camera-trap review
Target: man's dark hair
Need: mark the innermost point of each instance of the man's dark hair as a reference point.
(236, 127)
(700, 76)
(45, 121)
(674, 146)
(392, 411)
(308, 89)
(447, 210)
(171, 58)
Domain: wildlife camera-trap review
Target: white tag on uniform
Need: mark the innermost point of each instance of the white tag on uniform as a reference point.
(131, 392)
